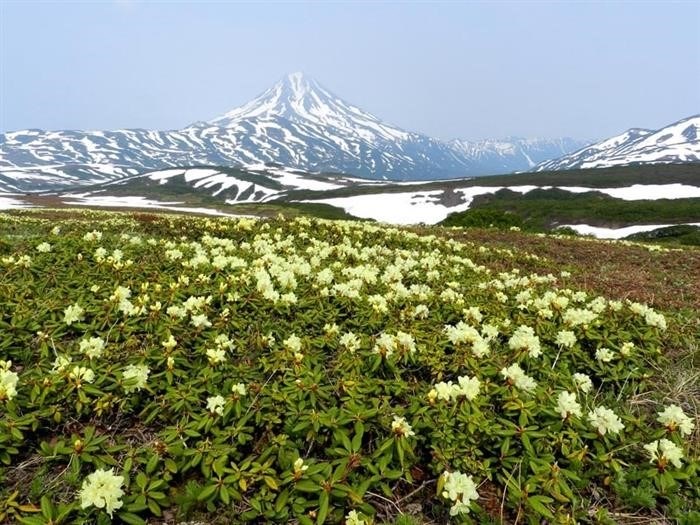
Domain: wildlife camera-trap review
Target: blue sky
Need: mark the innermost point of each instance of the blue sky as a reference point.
(469, 70)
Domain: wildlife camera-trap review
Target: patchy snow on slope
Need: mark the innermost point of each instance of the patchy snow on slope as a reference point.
(617, 233)
(643, 191)
(428, 207)
(8, 203)
(141, 202)
(294, 179)
(406, 207)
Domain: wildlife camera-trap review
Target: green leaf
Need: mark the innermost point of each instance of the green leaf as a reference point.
(307, 485)
(152, 464)
(537, 503)
(357, 438)
(323, 503)
(131, 519)
(46, 507)
(206, 493)
(271, 482)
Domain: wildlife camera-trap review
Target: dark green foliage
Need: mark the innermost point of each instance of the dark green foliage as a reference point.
(546, 209)
(685, 234)
(484, 218)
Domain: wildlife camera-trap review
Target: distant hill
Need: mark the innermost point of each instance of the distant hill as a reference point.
(676, 143)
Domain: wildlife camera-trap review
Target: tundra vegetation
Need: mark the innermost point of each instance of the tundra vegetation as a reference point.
(160, 367)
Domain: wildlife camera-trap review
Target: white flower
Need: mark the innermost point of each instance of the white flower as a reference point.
(44, 247)
(583, 382)
(468, 387)
(480, 348)
(605, 420)
(82, 374)
(121, 293)
(656, 319)
(331, 329)
(353, 518)
(385, 345)
(216, 355)
(136, 377)
(524, 338)
(215, 405)
(663, 452)
(299, 466)
(515, 375)
(578, 316)
(239, 389)
(401, 428)
(444, 390)
(673, 417)
(93, 347)
(92, 236)
(292, 343)
(60, 363)
(350, 341)
(567, 405)
(170, 343)
(421, 311)
(604, 355)
(200, 320)
(462, 333)
(73, 314)
(8, 382)
(626, 349)
(566, 338)
(461, 490)
(102, 489)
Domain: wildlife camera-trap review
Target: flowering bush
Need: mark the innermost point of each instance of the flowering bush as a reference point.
(310, 371)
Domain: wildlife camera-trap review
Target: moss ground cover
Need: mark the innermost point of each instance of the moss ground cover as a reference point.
(239, 370)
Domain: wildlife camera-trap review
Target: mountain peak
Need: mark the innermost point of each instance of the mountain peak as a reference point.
(299, 99)
(296, 97)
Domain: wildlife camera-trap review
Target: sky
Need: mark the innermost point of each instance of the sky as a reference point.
(467, 70)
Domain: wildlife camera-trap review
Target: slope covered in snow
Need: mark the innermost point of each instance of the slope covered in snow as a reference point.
(676, 143)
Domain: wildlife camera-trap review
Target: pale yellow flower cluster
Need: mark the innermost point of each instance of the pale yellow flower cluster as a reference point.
(103, 490)
(517, 377)
(605, 421)
(8, 381)
(136, 377)
(460, 489)
(401, 427)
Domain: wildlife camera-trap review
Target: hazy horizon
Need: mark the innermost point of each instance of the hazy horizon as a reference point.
(468, 70)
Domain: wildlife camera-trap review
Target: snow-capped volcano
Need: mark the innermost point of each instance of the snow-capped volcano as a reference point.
(296, 123)
(675, 143)
(301, 100)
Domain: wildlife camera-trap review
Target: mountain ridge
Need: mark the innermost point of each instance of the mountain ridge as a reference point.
(296, 123)
(678, 141)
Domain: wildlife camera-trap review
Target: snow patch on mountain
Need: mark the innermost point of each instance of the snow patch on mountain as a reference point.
(618, 233)
(677, 142)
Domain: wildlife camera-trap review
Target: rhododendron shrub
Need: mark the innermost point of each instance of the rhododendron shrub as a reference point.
(312, 371)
